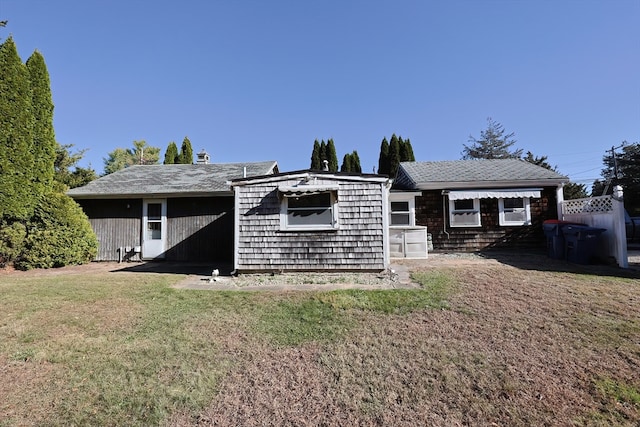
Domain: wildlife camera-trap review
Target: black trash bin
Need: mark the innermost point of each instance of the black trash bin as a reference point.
(555, 239)
(581, 242)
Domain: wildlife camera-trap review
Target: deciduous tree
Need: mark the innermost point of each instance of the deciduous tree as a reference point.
(622, 168)
(141, 154)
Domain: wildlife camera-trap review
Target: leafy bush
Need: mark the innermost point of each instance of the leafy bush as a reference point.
(12, 236)
(58, 234)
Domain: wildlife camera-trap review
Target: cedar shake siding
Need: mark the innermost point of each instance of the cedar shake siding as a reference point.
(356, 244)
(483, 183)
(490, 235)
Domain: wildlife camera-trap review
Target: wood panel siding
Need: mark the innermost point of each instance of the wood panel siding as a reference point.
(432, 210)
(356, 245)
(117, 223)
(200, 229)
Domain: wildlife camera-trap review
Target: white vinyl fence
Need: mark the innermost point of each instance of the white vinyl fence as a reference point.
(602, 212)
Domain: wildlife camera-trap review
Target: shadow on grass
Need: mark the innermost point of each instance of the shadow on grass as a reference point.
(169, 267)
(539, 261)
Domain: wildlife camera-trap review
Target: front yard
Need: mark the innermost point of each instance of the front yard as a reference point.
(512, 341)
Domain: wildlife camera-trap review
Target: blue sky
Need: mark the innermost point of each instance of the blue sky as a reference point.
(261, 80)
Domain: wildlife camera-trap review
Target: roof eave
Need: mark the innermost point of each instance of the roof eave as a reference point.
(309, 174)
(440, 185)
(181, 194)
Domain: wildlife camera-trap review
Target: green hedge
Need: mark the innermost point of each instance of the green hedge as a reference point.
(58, 234)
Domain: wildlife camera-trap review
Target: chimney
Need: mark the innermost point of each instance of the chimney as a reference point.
(203, 158)
(325, 165)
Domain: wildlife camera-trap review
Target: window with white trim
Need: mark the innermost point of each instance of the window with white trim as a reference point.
(464, 213)
(402, 207)
(313, 211)
(514, 211)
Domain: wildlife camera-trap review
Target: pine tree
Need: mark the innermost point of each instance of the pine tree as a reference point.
(64, 176)
(44, 141)
(383, 159)
(394, 155)
(171, 156)
(493, 144)
(316, 162)
(186, 152)
(332, 157)
(17, 195)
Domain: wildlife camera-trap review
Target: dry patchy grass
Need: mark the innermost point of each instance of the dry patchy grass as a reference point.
(486, 343)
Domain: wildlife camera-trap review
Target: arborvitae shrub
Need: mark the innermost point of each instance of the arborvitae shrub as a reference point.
(12, 236)
(59, 234)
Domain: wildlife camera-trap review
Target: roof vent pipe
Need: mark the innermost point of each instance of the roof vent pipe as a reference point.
(325, 165)
(244, 172)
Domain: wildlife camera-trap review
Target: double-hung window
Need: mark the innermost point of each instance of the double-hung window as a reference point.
(309, 211)
(514, 211)
(464, 213)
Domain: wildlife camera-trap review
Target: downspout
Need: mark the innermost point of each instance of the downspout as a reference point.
(444, 214)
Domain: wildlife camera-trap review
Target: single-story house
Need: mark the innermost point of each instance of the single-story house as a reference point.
(470, 205)
(172, 212)
(311, 220)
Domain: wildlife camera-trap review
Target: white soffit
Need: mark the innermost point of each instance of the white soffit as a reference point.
(494, 194)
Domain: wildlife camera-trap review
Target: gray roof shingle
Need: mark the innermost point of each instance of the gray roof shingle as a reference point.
(474, 173)
(171, 180)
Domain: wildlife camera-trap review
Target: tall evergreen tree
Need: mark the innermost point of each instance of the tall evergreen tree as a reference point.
(540, 161)
(407, 152)
(346, 163)
(355, 162)
(493, 144)
(383, 159)
(332, 156)
(17, 196)
(186, 152)
(316, 161)
(171, 156)
(394, 155)
(44, 141)
(323, 153)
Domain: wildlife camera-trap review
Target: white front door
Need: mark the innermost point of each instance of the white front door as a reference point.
(154, 228)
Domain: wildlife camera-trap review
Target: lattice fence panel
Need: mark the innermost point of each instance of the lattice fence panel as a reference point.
(593, 205)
